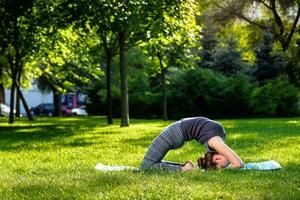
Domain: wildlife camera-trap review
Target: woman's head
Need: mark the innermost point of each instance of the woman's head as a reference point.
(212, 160)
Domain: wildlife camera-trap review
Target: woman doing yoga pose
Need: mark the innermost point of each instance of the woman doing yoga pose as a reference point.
(205, 131)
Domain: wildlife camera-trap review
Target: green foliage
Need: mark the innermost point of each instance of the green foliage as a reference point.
(212, 94)
(208, 94)
(54, 158)
(208, 43)
(293, 67)
(66, 61)
(66, 42)
(170, 38)
(196, 97)
(268, 65)
(275, 16)
(276, 98)
(228, 59)
(263, 101)
(144, 101)
(235, 97)
(96, 93)
(19, 30)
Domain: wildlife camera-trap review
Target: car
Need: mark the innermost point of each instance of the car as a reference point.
(79, 111)
(43, 109)
(5, 110)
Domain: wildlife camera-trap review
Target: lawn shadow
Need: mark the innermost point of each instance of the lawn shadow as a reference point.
(80, 143)
(15, 138)
(24, 136)
(31, 133)
(38, 134)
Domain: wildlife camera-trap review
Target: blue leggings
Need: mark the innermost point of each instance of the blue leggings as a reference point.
(170, 138)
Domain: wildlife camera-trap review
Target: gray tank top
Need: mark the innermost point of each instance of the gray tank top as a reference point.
(201, 129)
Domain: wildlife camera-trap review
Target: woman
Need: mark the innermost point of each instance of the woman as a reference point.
(205, 131)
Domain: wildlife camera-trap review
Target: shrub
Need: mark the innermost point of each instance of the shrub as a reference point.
(235, 97)
(194, 92)
(276, 98)
(143, 103)
(204, 92)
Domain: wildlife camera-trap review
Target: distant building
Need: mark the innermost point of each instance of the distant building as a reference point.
(33, 97)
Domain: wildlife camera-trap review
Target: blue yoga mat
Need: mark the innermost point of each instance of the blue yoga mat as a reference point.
(261, 166)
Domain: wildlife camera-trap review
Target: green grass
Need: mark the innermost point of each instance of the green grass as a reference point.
(54, 158)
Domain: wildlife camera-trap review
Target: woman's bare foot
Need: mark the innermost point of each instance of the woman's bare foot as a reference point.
(188, 166)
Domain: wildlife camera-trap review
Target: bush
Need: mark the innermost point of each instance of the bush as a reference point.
(145, 105)
(276, 98)
(197, 92)
(194, 92)
(235, 97)
(210, 94)
(97, 99)
(204, 92)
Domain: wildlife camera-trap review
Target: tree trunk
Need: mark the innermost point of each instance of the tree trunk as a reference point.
(124, 85)
(164, 89)
(12, 101)
(18, 107)
(14, 72)
(29, 115)
(108, 88)
(2, 93)
(164, 93)
(57, 103)
(2, 96)
(14, 75)
(2, 90)
(18, 104)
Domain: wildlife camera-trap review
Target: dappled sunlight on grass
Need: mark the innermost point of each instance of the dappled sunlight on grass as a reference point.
(294, 122)
(54, 158)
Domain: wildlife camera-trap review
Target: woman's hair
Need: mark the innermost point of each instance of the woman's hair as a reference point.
(207, 162)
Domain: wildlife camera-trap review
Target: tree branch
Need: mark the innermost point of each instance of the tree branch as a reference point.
(241, 16)
(293, 29)
(277, 17)
(265, 4)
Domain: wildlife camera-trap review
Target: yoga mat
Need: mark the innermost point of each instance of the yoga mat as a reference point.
(102, 167)
(260, 166)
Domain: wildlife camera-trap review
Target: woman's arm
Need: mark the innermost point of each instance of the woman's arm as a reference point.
(218, 144)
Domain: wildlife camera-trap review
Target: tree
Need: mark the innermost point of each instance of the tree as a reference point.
(170, 41)
(268, 65)
(208, 44)
(280, 17)
(141, 18)
(66, 62)
(228, 59)
(293, 68)
(18, 27)
(130, 21)
(102, 17)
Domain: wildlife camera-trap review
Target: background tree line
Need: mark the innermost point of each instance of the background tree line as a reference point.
(166, 59)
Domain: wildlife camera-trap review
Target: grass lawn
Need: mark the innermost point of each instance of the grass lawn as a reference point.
(53, 158)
